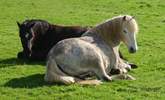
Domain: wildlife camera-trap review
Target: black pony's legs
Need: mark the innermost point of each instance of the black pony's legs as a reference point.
(22, 55)
(38, 56)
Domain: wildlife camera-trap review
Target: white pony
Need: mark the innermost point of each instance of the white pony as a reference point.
(94, 54)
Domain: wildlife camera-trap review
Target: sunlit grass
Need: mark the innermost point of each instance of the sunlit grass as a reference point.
(24, 80)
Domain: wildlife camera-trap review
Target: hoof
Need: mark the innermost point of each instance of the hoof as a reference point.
(129, 77)
(133, 66)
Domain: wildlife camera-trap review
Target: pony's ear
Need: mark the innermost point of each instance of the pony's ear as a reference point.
(19, 25)
(133, 17)
(124, 18)
(31, 25)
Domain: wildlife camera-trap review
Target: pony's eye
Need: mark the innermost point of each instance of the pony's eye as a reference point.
(125, 31)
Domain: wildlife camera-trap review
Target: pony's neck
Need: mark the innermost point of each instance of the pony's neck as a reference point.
(110, 32)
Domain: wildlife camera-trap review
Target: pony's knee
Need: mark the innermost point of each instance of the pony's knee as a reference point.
(123, 70)
(122, 77)
(127, 67)
(115, 71)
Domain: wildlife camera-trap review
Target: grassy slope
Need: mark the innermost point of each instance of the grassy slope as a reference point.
(20, 80)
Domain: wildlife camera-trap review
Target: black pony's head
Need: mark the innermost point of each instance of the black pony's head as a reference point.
(31, 34)
(26, 34)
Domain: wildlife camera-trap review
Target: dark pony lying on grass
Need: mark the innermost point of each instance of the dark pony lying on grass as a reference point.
(39, 36)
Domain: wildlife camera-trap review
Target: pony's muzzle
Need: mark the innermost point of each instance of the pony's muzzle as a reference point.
(132, 50)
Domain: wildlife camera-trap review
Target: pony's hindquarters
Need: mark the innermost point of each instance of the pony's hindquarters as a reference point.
(54, 74)
(77, 57)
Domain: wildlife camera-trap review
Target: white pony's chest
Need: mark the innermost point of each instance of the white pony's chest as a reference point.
(107, 53)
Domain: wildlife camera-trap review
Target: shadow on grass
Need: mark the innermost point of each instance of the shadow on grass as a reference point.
(14, 61)
(32, 81)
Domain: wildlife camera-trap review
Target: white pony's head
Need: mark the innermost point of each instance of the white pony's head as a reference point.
(119, 28)
(128, 32)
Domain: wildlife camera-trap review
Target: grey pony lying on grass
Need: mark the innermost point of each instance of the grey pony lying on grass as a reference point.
(94, 54)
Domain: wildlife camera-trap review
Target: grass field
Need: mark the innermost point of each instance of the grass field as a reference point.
(24, 80)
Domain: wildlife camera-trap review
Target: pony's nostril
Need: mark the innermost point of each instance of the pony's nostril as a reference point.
(132, 50)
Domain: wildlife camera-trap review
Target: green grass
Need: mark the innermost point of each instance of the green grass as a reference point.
(24, 81)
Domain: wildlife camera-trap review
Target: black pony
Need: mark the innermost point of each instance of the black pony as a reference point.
(39, 36)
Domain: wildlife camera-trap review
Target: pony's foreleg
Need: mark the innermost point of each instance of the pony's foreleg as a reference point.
(121, 55)
(113, 77)
(132, 65)
(120, 66)
(101, 72)
(122, 77)
(124, 65)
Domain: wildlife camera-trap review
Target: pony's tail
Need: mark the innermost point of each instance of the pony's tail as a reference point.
(89, 82)
(54, 74)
